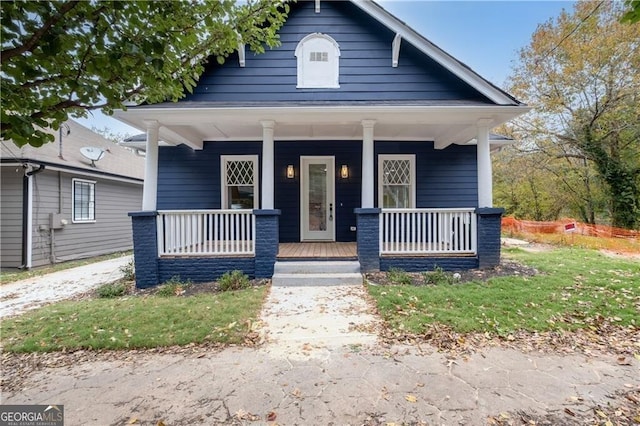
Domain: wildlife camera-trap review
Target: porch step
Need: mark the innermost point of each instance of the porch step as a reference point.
(309, 273)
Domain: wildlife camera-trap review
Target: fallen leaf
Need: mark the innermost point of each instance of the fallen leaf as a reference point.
(133, 420)
(601, 414)
(411, 398)
(160, 423)
(271, 416)
(569, 412)
(245, 415)
(624, 361)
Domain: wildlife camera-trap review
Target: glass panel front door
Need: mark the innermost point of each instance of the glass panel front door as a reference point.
(317, 208)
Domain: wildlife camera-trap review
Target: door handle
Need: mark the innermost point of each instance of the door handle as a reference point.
(330, 211)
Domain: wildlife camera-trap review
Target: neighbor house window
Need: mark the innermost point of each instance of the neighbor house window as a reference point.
(239, 181)
(396, 177)
(83, 196)
(318, 62)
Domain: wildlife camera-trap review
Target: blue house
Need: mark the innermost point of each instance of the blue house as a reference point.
(356, 138)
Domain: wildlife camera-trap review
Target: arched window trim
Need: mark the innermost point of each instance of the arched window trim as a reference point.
(334, 58)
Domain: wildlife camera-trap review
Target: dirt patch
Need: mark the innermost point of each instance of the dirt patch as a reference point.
(620, 255)
(185, 290)
(506, 268)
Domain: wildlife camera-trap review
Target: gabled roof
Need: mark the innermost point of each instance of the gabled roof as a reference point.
(117, 161)
(443, 104)
(458, 68)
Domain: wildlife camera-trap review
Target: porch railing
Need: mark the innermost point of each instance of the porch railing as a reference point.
(428, 231)
(206, 232)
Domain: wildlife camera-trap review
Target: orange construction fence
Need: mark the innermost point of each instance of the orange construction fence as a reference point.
(565, 225)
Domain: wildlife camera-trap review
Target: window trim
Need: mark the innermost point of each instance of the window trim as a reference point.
(412, 176)
(303, 57)
(223, 178)
(73, 201)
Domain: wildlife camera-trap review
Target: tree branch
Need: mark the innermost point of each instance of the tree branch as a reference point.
(32, 42)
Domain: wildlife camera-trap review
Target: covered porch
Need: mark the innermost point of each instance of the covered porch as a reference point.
(200, 244)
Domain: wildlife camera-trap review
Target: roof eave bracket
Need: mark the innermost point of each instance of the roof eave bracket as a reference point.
(241, 55)
(395, 50)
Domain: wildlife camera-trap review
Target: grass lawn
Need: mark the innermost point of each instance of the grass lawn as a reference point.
(575, 288)
(135, 322)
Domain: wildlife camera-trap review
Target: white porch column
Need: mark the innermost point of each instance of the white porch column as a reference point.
(485, 184)
(368, 183)
(267, 164)
(150, 188)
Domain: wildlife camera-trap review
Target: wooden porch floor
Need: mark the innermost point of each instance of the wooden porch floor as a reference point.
(317, 251)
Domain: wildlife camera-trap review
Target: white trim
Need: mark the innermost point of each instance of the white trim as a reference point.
(75, 172)
(305, 81)
(330, 233)
(73, 200)
(268, 160)
(135, 116)
(368, 163)
(428, 231)
(483, 153)
(317, 6)
(150, 188)
(395, 50)
(437, 54)
(223, 178)
(241, 55)
(29, 224)
(412, 177)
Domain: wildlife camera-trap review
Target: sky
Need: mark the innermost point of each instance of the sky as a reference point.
(485, 35)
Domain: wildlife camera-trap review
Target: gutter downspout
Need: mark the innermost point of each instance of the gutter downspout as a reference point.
(28, 228)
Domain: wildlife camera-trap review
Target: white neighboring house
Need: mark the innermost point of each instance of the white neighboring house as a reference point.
(57, 206)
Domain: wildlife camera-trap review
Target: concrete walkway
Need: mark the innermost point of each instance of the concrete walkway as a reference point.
(21, 296)
(321, 365)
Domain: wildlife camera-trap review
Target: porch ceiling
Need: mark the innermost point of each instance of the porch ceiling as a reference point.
(444, 125)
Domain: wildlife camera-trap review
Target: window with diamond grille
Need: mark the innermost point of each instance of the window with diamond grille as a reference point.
(396, 176)
(84, 200)
(239, 182)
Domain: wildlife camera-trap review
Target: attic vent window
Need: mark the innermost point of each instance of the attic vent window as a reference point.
(318, 58)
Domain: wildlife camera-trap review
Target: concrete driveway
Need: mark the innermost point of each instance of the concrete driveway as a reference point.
(20, 296)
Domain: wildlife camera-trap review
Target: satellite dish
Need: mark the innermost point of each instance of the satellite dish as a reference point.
(92, 153)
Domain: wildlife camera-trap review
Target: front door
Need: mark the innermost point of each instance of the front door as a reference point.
(317, 213)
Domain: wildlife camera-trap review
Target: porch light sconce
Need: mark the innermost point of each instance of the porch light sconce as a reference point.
(344, 171)
(290, 172)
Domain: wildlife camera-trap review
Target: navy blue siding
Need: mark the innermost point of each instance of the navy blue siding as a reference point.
(444, 178)
(348, 191)
(365, 65)
(189, 179)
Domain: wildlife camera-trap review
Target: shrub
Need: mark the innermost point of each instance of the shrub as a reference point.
(128, 271)
(439, 276)
(399, 276)
(111, 290)
(234, 280)
(174, 287)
